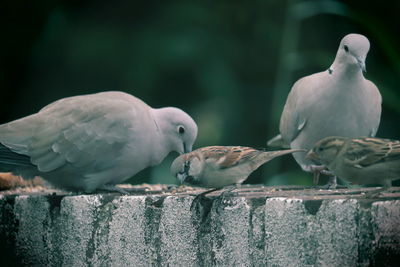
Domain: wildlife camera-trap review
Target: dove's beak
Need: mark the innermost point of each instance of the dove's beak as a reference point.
(186, 148)
(361, 63)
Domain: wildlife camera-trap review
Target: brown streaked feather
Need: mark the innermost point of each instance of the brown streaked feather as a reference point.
(229, 156)
(368, 151)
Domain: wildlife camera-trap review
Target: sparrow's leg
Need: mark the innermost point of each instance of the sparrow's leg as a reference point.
(317, 170)
(332, 182)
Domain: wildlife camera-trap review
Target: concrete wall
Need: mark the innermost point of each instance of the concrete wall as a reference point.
(263, 229)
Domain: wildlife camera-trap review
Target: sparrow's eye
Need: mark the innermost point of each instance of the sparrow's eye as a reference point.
(346, 48)
(181, 130)
(320, 149)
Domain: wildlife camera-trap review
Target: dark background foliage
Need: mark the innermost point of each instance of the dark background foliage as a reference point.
(230, 64)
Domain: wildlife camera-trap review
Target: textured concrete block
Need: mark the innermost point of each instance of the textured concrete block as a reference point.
(77, 221)
(178, 237)
(386, 232)
(260, 228)
(311, 232)
(34, 237)
(230, 225)
(127, 243)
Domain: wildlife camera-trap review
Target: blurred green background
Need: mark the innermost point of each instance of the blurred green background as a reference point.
(229, 64)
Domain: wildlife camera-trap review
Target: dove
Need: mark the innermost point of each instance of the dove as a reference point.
(93, 141)
(335, 102)
(219, 166)
(359, 160)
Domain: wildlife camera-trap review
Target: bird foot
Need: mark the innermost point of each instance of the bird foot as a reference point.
(330, 185)
(316, 170)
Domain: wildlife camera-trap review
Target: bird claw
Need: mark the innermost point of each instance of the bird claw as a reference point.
(316, 170)
(332, 182)
(330, 185)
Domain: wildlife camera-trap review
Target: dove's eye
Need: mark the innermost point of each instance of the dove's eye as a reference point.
(181, 130)
(320, 149)
(346, 48)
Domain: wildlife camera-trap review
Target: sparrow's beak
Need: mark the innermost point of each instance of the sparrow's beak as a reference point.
(190, 180)
(184, 178)
(361, 63)
(312, 155)
(184, 174)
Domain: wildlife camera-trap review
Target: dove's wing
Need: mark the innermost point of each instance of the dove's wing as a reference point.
(300, 99)
(376, 106)
(368, 151)
(277, 141)
(77, 132)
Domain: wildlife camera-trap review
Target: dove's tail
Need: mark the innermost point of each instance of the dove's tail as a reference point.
(277, 141)
(14, 162)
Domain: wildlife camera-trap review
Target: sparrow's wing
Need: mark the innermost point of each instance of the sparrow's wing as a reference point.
(229, 156)
(368, 151)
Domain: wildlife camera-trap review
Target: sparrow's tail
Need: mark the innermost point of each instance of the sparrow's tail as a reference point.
(269, 155)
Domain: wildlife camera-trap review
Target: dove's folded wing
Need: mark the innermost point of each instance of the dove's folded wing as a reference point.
(293, 118)
(376, 106)
(72, 133)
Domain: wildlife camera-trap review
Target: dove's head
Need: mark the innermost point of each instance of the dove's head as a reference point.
(353, 50)
(178, 128)
(326, 150)
(187, 168)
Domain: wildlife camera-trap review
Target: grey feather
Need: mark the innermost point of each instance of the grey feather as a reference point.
(88, 141)
(340, 102)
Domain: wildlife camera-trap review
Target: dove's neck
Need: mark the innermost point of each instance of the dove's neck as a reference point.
(345, 70)
(161, 144)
